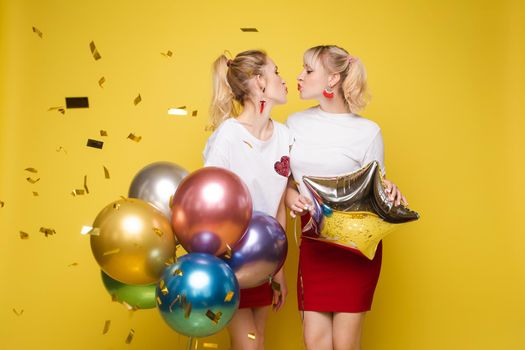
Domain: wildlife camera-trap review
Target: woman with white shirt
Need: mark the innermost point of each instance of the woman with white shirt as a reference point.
(335, 287)
(249, 143)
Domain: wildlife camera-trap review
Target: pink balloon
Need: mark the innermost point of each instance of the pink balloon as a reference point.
(212, 208)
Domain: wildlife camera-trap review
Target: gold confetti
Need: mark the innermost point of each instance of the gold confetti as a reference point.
(77, 192)
(210, 345)
(194, 113)
(228, 254)
(167, 54)
(171, 201)
(38, 32)
(187, 310)
(73, 264)
(60, 109)
(106, 172)
(137, 100)
(103, 133)
(177, 299)
(47, 231)
(116, 206)
(129, 339)
(101, 81)
(128, 307)
(18, 313)
(159, 302)
(158, 232)
(95, 143)
(251, 336)
(85, 184)
(134, 137)
(178, 272)
(31, 170)
(214, 317)
(169, 261)
(114, 251)
(106, 326)
(61, 149)
(114, 297)
(229, 296)
(2, 204)
(163, 288)
(253, 30)
(24, 235)
(88, 230)
(35, 194)
(94, 51)
(30, 180)
(246, 142)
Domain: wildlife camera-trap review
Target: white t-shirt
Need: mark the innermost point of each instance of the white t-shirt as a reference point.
(233, 147)
(330, 144)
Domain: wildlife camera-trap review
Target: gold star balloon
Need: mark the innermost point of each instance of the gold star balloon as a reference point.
(353, 210)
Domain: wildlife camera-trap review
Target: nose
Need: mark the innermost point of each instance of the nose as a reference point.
(300, 77)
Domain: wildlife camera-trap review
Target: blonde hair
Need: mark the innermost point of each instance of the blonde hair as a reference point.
(353, 75)
(230, 83)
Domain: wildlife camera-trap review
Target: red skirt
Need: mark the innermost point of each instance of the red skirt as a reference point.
(256, 297)
(333, 279)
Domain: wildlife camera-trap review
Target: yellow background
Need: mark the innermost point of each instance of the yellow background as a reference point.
(447, 83)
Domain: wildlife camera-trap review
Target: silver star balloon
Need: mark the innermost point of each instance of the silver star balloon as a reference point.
(353, 210)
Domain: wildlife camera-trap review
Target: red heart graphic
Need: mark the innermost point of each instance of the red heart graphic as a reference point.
(283, 167)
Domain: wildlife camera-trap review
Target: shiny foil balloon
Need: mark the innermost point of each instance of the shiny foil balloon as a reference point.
(198, 295)
(260, 253)
(353, 210)
(137, 296)
(211, 210)
(156, 184)
(134, 241)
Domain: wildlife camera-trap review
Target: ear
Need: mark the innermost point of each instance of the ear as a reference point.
(261, 82)
(333, 79)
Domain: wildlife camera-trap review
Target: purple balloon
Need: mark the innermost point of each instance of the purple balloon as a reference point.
(261, 251)
(205, 242)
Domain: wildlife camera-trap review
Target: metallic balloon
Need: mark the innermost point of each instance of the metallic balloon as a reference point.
(211, 210)
(353, 210)
(198, 295)
(134, 241)
(156, 184)
(137, 296)
(260, 253)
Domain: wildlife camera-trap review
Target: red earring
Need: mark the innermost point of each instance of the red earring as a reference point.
(328, 92)
(262, 106)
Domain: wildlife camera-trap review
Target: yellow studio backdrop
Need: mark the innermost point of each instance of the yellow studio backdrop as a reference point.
(447, 84)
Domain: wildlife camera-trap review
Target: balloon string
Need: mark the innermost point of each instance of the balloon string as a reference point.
(295, 231)
(190, 341)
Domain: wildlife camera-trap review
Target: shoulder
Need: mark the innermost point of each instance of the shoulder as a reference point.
(224, 133)
(367, 125)
(298, 117)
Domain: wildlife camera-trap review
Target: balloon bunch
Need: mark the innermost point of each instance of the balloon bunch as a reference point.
(208, 212)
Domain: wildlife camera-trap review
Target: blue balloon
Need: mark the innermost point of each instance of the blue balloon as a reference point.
(198, 295)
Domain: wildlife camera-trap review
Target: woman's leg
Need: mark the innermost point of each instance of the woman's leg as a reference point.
(241, 325)
(260, 315)
(317, 330)
(347, 330)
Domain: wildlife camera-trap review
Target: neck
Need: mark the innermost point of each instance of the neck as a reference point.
(334, 105)
(257, 124)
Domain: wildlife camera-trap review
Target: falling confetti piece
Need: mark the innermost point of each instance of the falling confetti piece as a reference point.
(159, 302)
(163, 287)
(73, 264)
(47, 231)
(77, 102)
(77, 192)
(178, 272)
(167, 54)
(61, 149)
(131, 334)
(106, 326)
(187, 311)
(177, 299)
(194, 113)
(35, 194)
(228, 254)
(214, 317)
(60, 109)
(177, 111)
(85, 184)
(2, 204)
(253, 30)
(158, 232)
(94, 51)
(249, 144)
(169, 261)
(137, 100)
(38, 32)
(116, 206)
(95, 143)
(229, 296)
(251, 336)
(171, 201)
(210, 345)
(24, 235)
(106, 172)
(88, 230)
(134, 137)
(114, 251)
(31, 170)
(31, 180)
(18, 313)
(103, 133)
(101, 81)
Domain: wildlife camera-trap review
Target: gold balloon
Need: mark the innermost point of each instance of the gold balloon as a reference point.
(134, 243)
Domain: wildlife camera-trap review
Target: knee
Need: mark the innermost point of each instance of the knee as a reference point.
(317, 340)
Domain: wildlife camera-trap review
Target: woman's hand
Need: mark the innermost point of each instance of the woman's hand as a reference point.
(394, 194)
(298, 204)
(279, 296)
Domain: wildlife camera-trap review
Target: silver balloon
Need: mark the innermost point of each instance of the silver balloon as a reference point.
(156, 184)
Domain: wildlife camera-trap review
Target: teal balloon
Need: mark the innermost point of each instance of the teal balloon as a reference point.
(207, 284)
(139, 296)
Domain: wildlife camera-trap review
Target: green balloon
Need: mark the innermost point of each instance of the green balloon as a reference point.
(139, 296)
